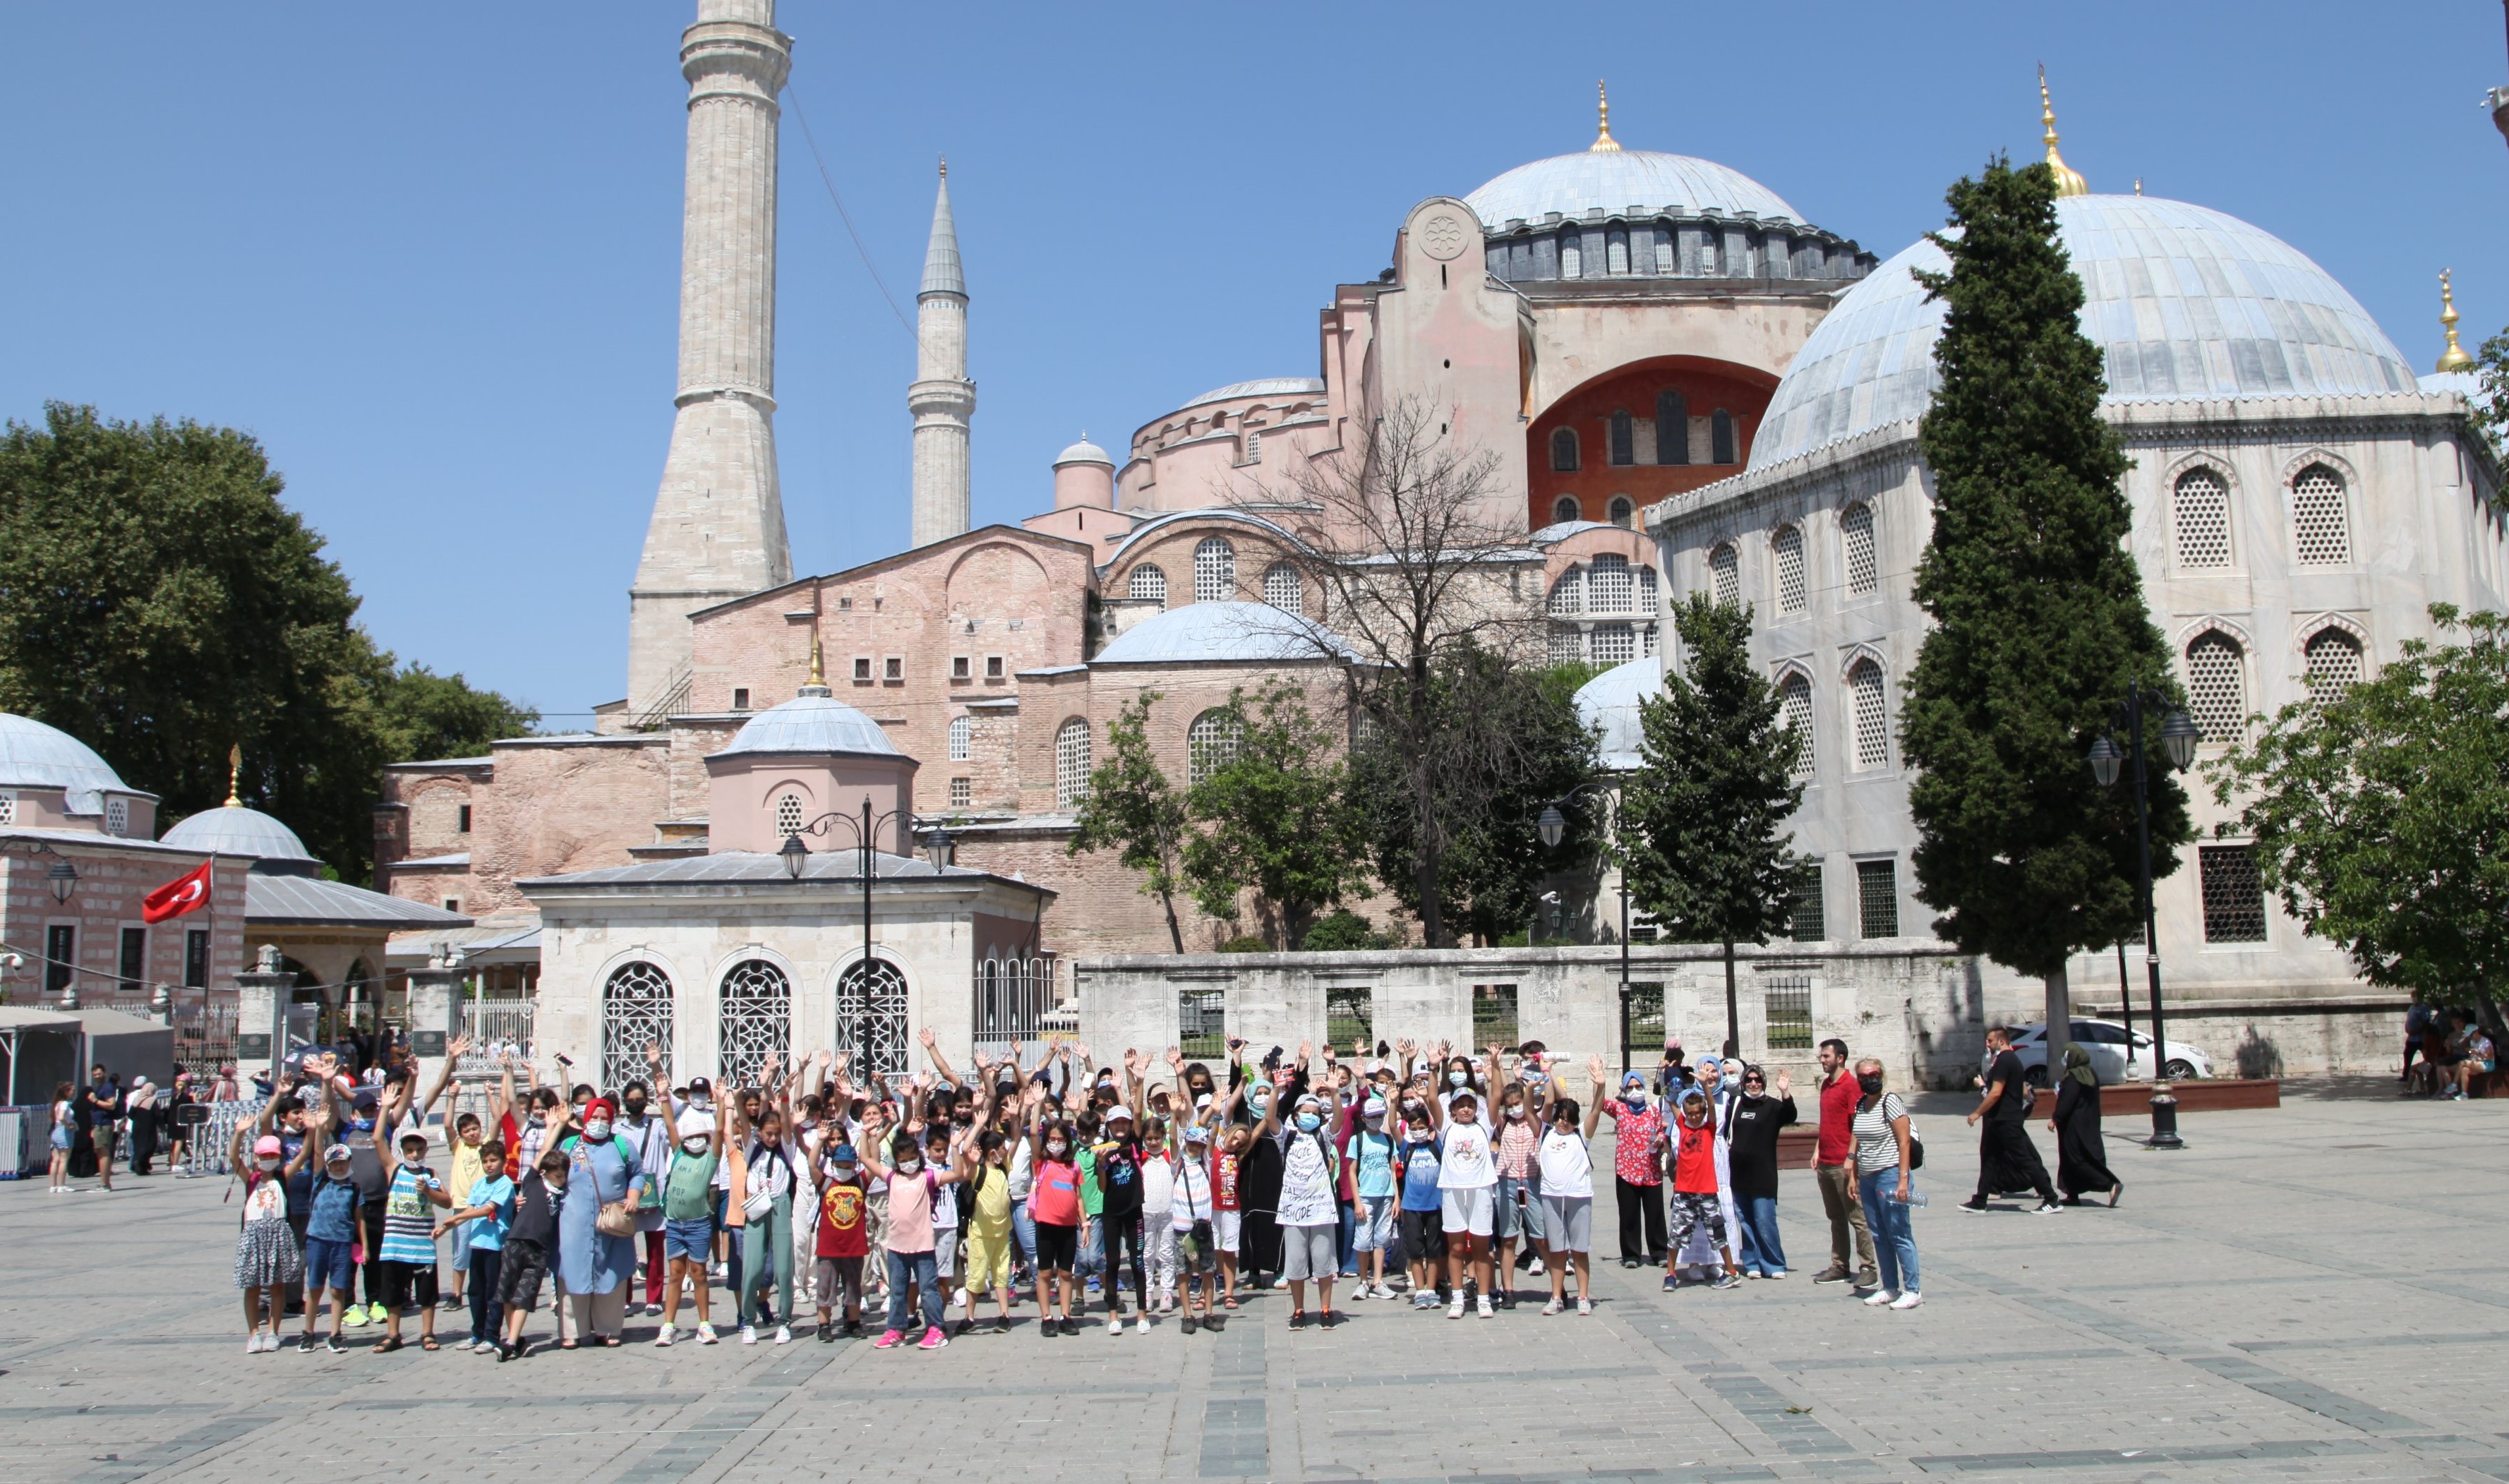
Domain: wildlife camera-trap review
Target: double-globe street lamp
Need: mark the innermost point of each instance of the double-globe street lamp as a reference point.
(2178, 738)
(1553, 825)
(865, 829)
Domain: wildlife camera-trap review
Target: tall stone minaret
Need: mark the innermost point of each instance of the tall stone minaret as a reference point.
(718, 528)
(942, 397)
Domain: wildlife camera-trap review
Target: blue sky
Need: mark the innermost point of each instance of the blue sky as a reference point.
(430, 254)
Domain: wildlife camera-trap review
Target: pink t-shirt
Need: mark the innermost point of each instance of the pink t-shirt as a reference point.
(909, 1227)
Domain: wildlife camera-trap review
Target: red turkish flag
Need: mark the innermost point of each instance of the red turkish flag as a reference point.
(184, 894)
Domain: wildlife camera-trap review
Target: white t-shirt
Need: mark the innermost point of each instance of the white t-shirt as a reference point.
(1191, 1201)
(1567, 1167)
(1158, 1184)
(1022, 1171)
(1307, 1184)
(1468, 1164)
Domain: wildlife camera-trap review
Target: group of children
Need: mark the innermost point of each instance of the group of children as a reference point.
(1415, 1169)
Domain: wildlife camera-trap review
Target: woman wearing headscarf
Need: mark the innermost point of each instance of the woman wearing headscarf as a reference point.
(2082, 1157)
(1260, 1170)
(593, 1266)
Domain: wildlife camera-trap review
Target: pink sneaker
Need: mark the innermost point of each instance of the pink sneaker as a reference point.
(933, 1339)
(889, 1341)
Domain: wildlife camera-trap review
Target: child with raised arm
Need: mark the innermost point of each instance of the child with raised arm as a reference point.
(688, 1220)
(1054, 1208)
(912, 1190)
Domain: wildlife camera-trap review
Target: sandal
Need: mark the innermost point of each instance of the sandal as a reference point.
(568, 1344)
(387, 1345)
(1229, 1302)
(428, 1342)
(611, 1342)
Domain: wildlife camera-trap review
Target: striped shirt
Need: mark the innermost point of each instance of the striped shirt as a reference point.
(409, 1224)
(1876, 1147)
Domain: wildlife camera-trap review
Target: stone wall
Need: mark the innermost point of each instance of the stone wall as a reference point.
(564, 804)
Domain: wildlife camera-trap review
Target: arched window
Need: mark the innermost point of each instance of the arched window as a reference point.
(1610, 590)
(1214, 570)
(757, 1019)
(1720, 437)
(2321, 528)
(1563, 450)
(1572, 254)
(1794, 704)
(1564, 509)
(1253, 445)
(870, 1016)
(635, 1014)
(1710, 252)
(2333, 663)
(1624, 431)
(1149, 584)
(1071, 764)
(1568, 594)
(788, 814)
(1863, 567)
(1788, 548)
(1281, 588)
(1613, 643)
(1864, 693)
(1210, 744)
(1616, 252)
(1671, 428)
(2200, 514)
(2217, 686)
(1725, 575)
(962, 738)
(1624, 510)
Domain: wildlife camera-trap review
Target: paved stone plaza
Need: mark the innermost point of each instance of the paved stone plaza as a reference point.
(2308, 1292)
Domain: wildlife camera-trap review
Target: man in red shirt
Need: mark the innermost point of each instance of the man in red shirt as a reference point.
(1833, 1162)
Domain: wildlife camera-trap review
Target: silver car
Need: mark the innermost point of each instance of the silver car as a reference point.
(2107, 1042)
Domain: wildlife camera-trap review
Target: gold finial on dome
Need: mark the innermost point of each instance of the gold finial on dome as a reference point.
(2454, 358)
(817, 676)
(1604, 143)
(2068, 181)
(235, 754)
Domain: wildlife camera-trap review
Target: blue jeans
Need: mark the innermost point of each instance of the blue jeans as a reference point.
(1762, 1252)
(1023, 1233)
(1349, 1249)
(1894, 1244)
(921, 1270)
(1093, 1247)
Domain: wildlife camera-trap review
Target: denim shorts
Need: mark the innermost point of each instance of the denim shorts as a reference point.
(692, 1238)
(328, 1264)
(1513, 1221)
(1375, 1226)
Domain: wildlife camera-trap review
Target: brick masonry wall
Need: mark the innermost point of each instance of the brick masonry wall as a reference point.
(558, 808)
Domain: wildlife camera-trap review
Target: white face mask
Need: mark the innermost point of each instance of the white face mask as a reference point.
(269, 1162)
(909, 1166)
(597, 1129)
(695, 1146)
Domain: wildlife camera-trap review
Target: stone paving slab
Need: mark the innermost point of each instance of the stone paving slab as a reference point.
(2305, 1293)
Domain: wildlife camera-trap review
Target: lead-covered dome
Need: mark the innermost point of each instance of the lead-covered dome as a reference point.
(2184, 302)
(233, 830)
(1610, 703)
(35, 755)
(1202, 633)
(1616, 180)
(813, 723)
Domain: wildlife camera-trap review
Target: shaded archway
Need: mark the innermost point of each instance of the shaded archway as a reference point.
(1641, 432)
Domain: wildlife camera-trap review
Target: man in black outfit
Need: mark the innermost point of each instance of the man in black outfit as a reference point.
(2006, 1160)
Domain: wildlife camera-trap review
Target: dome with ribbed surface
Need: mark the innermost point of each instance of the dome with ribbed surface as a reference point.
(35, 755)
(1208, 632)
(1616, 180)
(812, 723)
(1082, 452)
(2184, 302)
(233, 829)
(1269, 386)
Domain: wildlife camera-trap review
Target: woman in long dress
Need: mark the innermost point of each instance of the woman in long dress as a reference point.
(1258, 1186)
(593, 1268)
(2082, 1157)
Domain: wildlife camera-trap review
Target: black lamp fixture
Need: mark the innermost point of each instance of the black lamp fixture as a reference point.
(795, 855)
(2179, 736)
(1553, 825)
(63, 879)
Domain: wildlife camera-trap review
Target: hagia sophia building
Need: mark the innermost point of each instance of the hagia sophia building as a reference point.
(1684, 384)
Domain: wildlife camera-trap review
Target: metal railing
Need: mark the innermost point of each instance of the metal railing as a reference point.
(1020, 999)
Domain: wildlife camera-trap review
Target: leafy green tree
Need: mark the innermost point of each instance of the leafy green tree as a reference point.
(1276, 816)
(422, 713)
(159, 603)
(1133, 810)
(2381, 815)
(2491, 395)
(2039, 617)
(1509, 740)
(1703, 837)
(1344, 931)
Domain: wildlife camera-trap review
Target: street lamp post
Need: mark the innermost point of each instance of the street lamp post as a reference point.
(1554, 827)
(866, 832)
(2178, 738)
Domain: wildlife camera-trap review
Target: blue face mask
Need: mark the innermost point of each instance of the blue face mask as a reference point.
(362, 1125)
(1309, 1123)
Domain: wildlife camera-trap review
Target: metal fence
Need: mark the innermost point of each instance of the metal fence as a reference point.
(1022, 1000)
(498, 1026)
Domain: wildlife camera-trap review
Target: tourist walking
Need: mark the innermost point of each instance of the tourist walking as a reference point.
(2081, 1155)
(2006, 1160)
(1886, 1155)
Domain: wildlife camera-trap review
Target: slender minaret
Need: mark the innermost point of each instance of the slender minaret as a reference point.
(942, 397)
(718, 528)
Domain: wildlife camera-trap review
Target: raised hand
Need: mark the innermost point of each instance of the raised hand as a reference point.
(1176, 1061)
(453, 1051)
(926, 1038)
(1132, 1062)
(1594, 1069)
(775, 1064)
(1786, 1083)
(840, 1061)
(1405, 1047)
(1306, 1051)
(654, 1055)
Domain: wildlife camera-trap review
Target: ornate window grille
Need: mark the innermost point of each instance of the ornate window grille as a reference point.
(635, 1014)
(1071, 763)
(870, 1016)
(757, 1019)
(1210, 744)
(788, 814)
(1568, 594)
(1788, 548)
(2200, 513)
(1872, 714)
(1014, 1001)
(962, 793)
(1725, 573)
(2333, 663)
(1567, 644)
(1214, 570)
(1149, 584)
(1281, 588)
(1613, 643)
(1877, 898)
(1609, 588)
(1794, 704)
(1646, 589)
(1864, 569)
(2217, 686)
(2320, 527)
(2234, 896)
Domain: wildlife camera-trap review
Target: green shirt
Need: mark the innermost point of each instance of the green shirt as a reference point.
(688, 1190)
(1092, 1198)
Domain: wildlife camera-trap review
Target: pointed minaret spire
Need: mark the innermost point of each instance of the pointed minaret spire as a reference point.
(2068, 181)
(942, 398)
(2454, 358)
(1604, 143)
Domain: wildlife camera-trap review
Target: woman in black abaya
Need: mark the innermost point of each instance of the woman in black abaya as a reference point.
(1258, 1185)
(2082, 1157)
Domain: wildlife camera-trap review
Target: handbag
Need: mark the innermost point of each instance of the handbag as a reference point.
(618, 1218)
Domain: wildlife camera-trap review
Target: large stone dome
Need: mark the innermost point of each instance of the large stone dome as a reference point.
(2185, 303)
(1614, 182)
(35, 755)
(1201, 633)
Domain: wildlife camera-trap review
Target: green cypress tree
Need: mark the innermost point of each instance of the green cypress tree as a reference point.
(2038, 616)
(1703, 820)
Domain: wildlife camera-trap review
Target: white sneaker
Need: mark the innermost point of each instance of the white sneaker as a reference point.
(783, 1334)
(1552, 1307)
(1456, 1310)
(1115, 1324)
(1142, 1324)
(1908, 1300)
(1774, 1277)
(1585, 1306)
(1882, 1296)
(1487, 1311)
(748, 1334)
(653, 1311)
(253, 1343)
(1538, 1268)
(670, 1333)
(706, 1335)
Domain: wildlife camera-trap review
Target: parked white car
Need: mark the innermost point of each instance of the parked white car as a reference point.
(2105, 1041)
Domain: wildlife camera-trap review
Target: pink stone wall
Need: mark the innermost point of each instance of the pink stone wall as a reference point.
(558, 807)
(106, 901)
(748, 790)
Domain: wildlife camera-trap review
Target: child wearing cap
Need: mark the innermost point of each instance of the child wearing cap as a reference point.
(330, 1236)
(410, 1188)
(687, 1216)
(1190, 1217)
(267, 1263)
